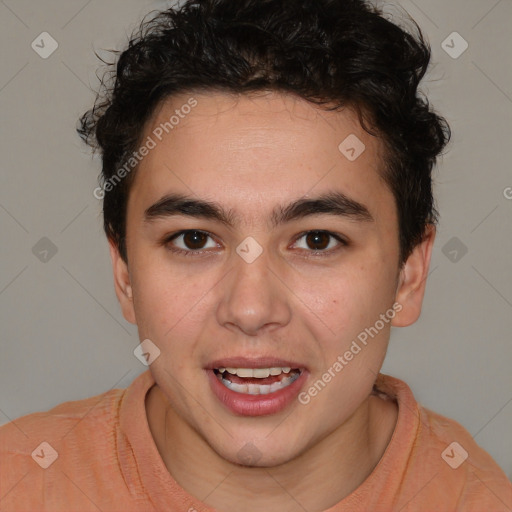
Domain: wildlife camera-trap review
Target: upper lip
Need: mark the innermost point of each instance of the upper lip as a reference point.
(253, 362)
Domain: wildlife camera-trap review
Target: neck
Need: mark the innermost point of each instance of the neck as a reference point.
(315, 480)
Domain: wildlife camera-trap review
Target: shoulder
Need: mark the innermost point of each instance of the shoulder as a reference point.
(67, 435)
(464, 462)
(458, 466)
(78, 455)
(441, 461)
(61, 420)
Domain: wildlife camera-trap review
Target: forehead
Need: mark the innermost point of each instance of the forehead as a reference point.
(257, 150)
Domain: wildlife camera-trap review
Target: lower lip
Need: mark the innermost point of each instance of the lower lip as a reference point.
(256, 405)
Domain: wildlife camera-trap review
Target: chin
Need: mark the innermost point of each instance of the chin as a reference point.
(260, 454)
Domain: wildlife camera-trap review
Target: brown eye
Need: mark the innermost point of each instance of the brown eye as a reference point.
(195, 239)
(318, 240)
(189, 241)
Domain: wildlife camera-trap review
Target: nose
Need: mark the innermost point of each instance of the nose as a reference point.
(253, 298)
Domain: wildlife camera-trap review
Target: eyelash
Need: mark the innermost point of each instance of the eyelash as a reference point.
(201, 252)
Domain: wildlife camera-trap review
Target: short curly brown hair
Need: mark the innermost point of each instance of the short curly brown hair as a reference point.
(334, 53)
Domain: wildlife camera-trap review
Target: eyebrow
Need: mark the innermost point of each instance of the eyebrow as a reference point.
(331, 203)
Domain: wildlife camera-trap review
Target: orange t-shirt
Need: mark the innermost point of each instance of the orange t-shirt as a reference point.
(106, 460)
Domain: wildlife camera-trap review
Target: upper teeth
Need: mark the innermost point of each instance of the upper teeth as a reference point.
(259, 373)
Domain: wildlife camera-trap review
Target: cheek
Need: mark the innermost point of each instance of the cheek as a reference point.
(167, 299)
(342, 303)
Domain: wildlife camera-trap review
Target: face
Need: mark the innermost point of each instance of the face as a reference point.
(254, 243)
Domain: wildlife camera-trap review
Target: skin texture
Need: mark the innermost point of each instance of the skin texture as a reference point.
(251, 154)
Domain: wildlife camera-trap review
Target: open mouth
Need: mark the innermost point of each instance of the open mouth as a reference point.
(257, 381)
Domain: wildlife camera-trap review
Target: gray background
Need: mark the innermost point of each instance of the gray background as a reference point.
(62, 333)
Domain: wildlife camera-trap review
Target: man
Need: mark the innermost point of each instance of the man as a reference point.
(268, 205)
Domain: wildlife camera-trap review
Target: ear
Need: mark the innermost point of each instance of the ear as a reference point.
(413, 279)
(122, 283)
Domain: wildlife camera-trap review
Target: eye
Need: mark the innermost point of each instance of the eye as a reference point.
(190, 241)
(319, 241)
